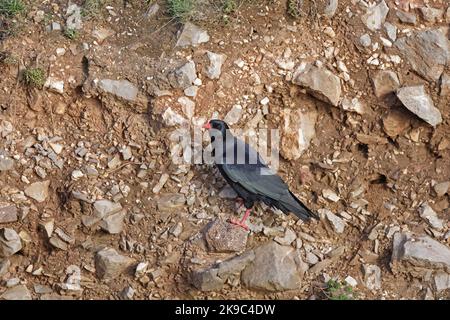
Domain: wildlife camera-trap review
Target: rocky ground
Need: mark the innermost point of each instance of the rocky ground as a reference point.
(93, 207)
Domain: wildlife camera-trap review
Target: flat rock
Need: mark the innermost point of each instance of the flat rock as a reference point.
(395, 122)
(113, 224)
(416, 100)
(9, 242)
(353, 105)
(287, 239)
(100, 33)
(234, 115)
(391, 31)
(406, 17)
(430, 14)
(104, 208)
(6, 163)
(121, 88)
(298, 131)
(336, 222)
(184, 76)
(440, 189)
(170, 201)
(372, 276)
(385, 82)
(19, 292)
(427, 213)
(4, 266)
(172, 118)
(442, 281)
(191, 35)
(444, 86)
(427, 51)
(274, 268)
(38, 190)
(207, 280)
(221, 236)
(331, 8)
(109, 264)
(375, 16)
(8, 213)
(319, 82)
(216, 60)
(413, 253)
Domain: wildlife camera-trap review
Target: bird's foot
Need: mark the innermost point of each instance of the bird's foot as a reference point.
(239, 223)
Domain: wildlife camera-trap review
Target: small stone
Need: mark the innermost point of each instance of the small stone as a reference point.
(9, 242)
(171, 118)
(372, 277)
(60, 51)
(319, 82)
(385, 82)
(113, 224)
(56, 242)
(406, 17)
(215, 67)
(19, 292)
(162, 181)
(331, 8)
(431, 14)
(396, 122)
(416, 100)
(442, 281)
(274, 268)
(288, 238)
(127, 293)
(126, 153)
(192, 35)
(6, 163)
(4, 266)
(176, 230)
(311, 258)
(55, 26)
(330, 195)
(55, 84)
(375, 16)
(8, 213)
(121, 88)
(391, 31)
(56, 147)
(191, 91)
(353, 105)
(222, 236)
(444, 88)
(41, 289)
(103, 208)
(171, 201)
(47, 226)
(427, 213)
(188, 106)
(77, 174)
(152, 10)
(184, 76)
(336, 222)
(234, 115)
(440, 189)
(351, 281)
(365, 40)
(141, 269)
(109, 264)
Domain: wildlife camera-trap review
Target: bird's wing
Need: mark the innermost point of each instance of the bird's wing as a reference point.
(253, 174)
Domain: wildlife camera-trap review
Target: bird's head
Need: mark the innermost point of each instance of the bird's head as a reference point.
(217, 125)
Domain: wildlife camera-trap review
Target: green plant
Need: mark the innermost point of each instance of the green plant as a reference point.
(294, 8)
(11, 8)
(181, 9)
(7, 58)
(34, 77)
(229, 6)
(72, 34)
(91, 8)
(336, 290)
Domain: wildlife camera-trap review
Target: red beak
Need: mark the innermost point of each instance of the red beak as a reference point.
(207, 126)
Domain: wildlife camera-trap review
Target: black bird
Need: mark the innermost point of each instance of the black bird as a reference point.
(245, 171)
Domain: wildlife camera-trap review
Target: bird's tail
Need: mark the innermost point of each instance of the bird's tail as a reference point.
(290, 203)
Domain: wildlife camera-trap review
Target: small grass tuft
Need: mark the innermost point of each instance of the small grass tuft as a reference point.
(34, 77)
(336, 290)
(229, 6)
(11, 8)
(181, 10)
(71, 34)
(91, 8)
(294, 8)
(7, 58)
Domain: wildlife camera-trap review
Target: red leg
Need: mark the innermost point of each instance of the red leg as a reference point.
(241, 202)
(242, 222)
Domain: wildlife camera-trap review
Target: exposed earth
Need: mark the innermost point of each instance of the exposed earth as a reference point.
(92, 205)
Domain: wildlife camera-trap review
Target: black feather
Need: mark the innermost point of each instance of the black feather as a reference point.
(252, 180)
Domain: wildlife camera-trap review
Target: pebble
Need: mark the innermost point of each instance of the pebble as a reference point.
(10, 242)
(109, 264)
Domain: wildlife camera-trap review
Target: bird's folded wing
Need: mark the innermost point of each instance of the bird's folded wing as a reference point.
(257, 179)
